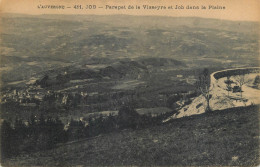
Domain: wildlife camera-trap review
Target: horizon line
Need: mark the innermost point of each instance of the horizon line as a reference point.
(80, 14)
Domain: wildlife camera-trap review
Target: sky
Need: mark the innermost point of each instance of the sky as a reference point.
(244, 10)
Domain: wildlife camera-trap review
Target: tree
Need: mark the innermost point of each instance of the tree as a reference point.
(62, 79)
(203, 85)
(228, 83)
(240, 79)
(128, 117)
(20, 130)
(257, 81)
(110, 123)
(6, 140)
(32, 120)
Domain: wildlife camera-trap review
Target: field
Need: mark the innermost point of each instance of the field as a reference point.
(227, 137)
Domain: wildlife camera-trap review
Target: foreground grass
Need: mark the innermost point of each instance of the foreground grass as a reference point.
(228, 137)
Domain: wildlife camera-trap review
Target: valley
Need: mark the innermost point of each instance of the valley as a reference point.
(84, 89)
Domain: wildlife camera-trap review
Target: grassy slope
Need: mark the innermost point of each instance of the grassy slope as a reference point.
(208, 139)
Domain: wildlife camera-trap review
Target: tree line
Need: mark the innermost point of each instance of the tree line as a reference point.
(45, 133)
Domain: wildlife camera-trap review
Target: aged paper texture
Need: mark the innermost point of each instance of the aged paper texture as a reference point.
(129, 82)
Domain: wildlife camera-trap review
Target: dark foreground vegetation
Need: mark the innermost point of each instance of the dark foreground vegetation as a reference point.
(227, 137)
(45, 133)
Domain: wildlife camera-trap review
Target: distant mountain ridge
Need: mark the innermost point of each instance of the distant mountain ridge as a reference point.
(122, 69)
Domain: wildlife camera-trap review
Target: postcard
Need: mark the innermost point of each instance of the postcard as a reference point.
(129, 82)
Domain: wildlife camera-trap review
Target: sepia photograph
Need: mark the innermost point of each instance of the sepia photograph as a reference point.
(129, 83)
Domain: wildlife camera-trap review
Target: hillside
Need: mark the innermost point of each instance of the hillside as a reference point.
(227, 137)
